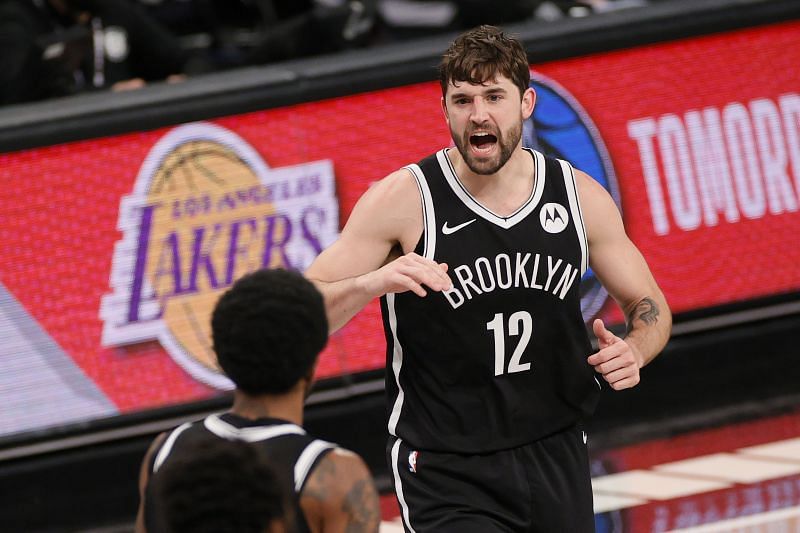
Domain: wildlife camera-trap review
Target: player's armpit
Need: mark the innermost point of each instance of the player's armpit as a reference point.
(340, 496)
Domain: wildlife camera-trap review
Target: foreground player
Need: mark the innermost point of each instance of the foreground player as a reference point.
(219, 485)
(268, 330)
(477, 252)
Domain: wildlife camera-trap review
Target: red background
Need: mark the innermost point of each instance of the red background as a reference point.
(59, 205)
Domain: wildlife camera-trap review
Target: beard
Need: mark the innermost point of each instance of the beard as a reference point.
(507, 141)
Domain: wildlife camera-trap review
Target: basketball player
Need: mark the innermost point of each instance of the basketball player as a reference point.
(219, 485)
(268, 330)
(477, 252)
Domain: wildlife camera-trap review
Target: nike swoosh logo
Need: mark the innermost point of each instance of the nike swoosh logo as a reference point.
(448, 230)
(584, 436)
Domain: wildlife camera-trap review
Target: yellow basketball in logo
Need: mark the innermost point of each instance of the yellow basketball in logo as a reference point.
(206, 209)
(206, 232)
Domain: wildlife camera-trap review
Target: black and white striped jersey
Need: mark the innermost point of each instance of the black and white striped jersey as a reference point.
(292, 453)
(499, 360)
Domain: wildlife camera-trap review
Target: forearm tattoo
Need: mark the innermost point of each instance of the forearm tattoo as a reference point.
(361, 505)
(646, 310)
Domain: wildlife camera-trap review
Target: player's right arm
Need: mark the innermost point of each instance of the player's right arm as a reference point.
(623, 271)
(374, 253)
(340, 496)
(144, 476)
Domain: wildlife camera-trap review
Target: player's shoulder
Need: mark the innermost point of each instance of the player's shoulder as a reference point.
(157, 443)
(601, 216)
(399, 182)
(148, 460)
(341, 489)
(591, 193)
(343, 457)
(338, 471)
(395, 193)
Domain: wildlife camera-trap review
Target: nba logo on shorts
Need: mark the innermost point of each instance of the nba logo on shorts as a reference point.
(560, 127)
(412, 461)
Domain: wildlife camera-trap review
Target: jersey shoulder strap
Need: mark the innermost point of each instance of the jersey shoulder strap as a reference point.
(163, 451)
(309, 459)
(427, 174)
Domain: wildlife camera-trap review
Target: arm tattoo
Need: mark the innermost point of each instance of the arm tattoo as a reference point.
(324, 475)
(361, 506)
(646, 310)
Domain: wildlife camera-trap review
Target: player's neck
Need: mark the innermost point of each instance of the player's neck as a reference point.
(287, 406)
(504, 191)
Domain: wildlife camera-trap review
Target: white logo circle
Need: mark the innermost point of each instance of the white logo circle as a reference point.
(553, 217)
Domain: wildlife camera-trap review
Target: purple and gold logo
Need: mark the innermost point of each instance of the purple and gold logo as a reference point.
(205, 210)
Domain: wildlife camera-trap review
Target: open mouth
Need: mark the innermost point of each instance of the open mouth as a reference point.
(482, 141)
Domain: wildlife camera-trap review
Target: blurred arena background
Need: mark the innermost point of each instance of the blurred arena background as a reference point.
(125, 213)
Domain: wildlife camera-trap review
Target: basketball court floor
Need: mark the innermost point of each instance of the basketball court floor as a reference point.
(741, 478)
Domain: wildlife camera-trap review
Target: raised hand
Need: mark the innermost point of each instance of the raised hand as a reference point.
(616, 360)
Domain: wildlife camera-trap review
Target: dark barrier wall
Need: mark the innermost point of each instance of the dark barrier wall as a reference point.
(125, 215)
(366, 70)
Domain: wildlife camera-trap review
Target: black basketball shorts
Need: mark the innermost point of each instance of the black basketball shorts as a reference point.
(542, 487)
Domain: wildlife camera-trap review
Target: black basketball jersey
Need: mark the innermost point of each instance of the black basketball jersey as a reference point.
(292, 453)
(499, 360)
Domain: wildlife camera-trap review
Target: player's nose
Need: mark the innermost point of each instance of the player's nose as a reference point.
(480, 113)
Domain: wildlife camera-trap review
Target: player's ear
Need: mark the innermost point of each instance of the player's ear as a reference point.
(528, 102)
(444, 110)
(308, 380)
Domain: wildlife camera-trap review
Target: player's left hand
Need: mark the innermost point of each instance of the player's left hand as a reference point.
(615, 360)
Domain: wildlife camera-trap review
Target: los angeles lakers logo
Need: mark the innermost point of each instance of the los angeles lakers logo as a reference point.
(205, 210)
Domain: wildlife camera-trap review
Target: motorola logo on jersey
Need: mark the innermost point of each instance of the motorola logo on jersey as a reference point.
(560, 127)
(553, 217)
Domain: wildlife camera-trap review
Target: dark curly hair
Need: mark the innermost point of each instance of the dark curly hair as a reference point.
(480, 54)
(219, 486)
(268, 330)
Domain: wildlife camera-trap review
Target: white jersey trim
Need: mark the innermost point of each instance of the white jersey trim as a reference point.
(428, 212)
(165, 450)
(398, 486)
(397, 364)
(476, 207)
(577, 215)
(220, 428)
(306, 460)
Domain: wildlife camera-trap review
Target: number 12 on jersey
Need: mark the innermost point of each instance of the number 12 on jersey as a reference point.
(519, 324)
